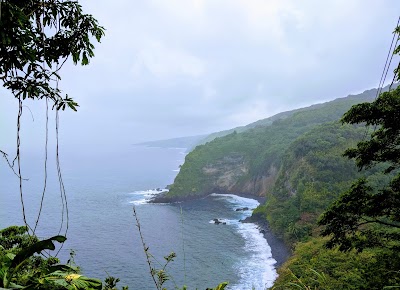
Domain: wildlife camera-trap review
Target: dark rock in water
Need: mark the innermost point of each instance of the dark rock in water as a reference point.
(159, 189)
(250, 219)
(218, 221)
(242, 209)
(160, 198)
(164, 197)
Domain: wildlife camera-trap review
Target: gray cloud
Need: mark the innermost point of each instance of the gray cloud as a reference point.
(174, 68)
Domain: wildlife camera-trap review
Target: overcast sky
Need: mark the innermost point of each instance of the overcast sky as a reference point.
(171, 68)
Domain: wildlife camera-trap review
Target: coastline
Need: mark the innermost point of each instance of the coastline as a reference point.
(279, 250)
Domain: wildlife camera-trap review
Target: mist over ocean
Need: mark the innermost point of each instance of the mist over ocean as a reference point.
(103, 185)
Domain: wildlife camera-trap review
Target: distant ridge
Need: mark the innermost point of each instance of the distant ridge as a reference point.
(180, 142)
(366, 95)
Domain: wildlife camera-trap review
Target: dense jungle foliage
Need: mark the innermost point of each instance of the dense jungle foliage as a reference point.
(361, 247)
(312, 175)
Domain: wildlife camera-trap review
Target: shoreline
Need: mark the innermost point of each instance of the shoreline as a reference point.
(279, 250)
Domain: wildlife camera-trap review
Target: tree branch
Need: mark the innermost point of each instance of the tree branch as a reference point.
(379, 222)
(10, 164)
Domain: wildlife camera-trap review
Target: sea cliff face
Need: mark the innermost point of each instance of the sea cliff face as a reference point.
(231, 175)
(224, 173)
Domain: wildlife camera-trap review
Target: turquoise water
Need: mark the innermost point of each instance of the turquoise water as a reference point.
(102, 188)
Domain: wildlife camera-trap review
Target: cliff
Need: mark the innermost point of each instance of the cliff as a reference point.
(248, 162)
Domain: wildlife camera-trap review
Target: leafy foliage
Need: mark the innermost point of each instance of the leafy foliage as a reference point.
(368, 215)
(37, 37)
(21, 268)
(312, 175)
(362, 227)
(384, 144)
(313, 266)
(111, 284)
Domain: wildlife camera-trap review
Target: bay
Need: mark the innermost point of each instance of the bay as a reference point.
(103, 185)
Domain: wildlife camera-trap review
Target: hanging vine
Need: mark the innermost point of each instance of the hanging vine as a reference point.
(37, 38)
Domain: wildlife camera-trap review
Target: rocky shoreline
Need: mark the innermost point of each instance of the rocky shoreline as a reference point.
(163, 197)
(280, 251)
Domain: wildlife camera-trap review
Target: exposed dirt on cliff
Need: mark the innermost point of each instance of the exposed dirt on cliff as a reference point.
(231, 175)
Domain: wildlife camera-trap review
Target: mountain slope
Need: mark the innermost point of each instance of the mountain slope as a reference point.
(367, 95)
(248, 163)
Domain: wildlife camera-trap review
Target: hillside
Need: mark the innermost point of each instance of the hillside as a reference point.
(368, 95)
(248, 162)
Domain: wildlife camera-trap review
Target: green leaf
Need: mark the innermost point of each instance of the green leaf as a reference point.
(38, 247)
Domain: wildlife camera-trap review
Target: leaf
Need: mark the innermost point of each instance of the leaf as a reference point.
(85, 60)
(219, 287)
(11, 256)
(71, 281)
(36, 248)
(71, 105)
(15, 286)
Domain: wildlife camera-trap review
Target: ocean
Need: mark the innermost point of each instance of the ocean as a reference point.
(103, 186)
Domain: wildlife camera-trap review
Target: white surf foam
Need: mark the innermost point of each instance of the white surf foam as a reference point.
(139, 201)
(224, 221)
(146, 194)
(237, 200)
(149, 192)
(257, 270)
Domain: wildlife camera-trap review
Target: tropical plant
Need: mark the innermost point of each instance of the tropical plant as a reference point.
(21, 265)
(368, 216)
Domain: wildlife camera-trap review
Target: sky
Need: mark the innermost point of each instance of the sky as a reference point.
(177, 68)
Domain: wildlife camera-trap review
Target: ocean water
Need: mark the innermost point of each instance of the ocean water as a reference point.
(102, 188)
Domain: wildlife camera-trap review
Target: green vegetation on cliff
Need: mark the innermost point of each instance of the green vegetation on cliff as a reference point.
(312, 175)
(361, 224)
(248, 162)
(313, 266)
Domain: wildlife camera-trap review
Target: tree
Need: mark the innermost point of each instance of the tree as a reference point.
(37, 37)
(368, 215)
